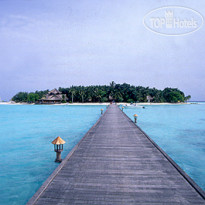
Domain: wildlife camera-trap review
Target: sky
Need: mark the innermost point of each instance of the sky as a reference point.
(46, 44)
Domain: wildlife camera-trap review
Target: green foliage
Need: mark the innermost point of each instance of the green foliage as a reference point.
(117, 92)
(130, 100)
(104, 99)
(29, 97)
(20, 97)
(173, 95)
(41, 93)
(64, 99)
(32, 97)
(187, 98)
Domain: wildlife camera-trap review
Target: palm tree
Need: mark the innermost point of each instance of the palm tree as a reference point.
(110, 92)
(118, 96)
(72, 91)
(112, 85)
(82, 93)
(187, 98)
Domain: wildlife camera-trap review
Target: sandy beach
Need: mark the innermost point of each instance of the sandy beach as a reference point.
(122, 103)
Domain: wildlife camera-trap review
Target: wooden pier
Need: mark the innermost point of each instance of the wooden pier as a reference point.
(117, 163)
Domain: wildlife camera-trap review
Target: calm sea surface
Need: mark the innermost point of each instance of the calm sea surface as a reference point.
(26, 131)
(180, 131)
(26, 153)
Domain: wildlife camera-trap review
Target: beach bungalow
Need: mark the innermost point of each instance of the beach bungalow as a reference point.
(110, 98)
(149, 98)
(53, 97)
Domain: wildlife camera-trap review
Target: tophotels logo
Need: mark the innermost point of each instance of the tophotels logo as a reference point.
(173, 20)
(169, 21)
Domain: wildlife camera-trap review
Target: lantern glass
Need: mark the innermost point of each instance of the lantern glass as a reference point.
(58, 147)
(55, 147)
(61, 147)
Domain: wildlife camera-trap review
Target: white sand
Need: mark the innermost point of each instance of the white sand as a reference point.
(123, 103)
(13, 103)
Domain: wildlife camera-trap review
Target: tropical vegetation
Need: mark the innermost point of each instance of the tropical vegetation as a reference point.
(106, 93)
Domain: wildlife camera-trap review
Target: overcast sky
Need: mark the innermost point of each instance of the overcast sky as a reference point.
(47, 44)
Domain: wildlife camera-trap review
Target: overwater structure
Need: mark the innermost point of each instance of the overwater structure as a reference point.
(117, 163)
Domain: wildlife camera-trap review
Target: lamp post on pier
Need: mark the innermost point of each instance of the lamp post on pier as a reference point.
(135, 118)
(58, 148)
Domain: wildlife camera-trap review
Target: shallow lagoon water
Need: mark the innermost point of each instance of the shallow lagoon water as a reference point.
(27, 156)
(180, 131)
(26, 153)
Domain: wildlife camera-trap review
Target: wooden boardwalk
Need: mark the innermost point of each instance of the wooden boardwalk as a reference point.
(117, 163)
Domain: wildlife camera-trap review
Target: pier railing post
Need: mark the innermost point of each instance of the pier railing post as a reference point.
(135, 118)
(58, 157)
(58, 148)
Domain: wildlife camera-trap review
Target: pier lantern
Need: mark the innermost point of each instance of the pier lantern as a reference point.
(58, 148)
(101, 111)
(135, 118)
(122, 109)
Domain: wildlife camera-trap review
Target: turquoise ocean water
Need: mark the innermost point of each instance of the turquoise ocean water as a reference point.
(26, 153)
(26, 131)
(180, 131)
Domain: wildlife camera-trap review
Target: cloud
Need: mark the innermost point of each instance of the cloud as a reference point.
(48, 44)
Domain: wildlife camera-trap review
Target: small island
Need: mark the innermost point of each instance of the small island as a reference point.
(103, 94)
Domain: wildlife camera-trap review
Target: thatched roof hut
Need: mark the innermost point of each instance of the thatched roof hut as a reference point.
(53, 97)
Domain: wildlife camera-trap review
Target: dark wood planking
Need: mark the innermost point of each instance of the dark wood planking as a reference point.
(117, 163)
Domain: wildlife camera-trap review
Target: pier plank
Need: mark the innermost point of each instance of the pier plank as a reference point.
(117, 163)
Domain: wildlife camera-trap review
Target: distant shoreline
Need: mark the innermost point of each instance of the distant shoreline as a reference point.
(122, 103)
